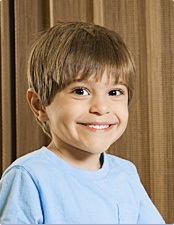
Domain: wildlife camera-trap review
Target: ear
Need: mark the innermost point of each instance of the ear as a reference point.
(36, 105)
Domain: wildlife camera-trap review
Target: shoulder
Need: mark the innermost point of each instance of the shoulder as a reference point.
(28, 161)
(122, 165)
(19, 193)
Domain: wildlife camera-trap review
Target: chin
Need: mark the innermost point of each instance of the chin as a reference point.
(97, 149)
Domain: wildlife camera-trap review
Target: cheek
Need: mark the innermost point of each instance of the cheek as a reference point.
(68, 116)
(126, 114)
(126, 118)
(123, 115)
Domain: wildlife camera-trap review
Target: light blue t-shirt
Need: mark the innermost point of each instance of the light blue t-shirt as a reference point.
(42, 188)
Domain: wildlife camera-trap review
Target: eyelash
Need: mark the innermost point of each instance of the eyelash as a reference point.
(84, 89)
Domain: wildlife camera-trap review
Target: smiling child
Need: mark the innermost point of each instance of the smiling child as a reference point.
(81, 79)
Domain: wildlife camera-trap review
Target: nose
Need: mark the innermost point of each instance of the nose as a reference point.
(99, 106)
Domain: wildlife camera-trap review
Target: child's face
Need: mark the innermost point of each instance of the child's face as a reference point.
(89, 115)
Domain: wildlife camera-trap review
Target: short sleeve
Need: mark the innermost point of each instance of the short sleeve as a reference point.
(19, 198)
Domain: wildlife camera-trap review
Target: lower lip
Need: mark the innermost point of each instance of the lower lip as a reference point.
(97, 130)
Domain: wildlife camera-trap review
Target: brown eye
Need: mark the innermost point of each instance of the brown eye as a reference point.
(80, 91)
(115, 92)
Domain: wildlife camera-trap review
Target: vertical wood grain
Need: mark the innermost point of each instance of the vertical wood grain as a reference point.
(168, 101)
(70, 10)
(7, 84)
(31, 17)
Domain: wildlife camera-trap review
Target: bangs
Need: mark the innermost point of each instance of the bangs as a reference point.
(88, 51)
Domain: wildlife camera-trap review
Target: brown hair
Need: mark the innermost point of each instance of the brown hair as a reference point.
(72, 49)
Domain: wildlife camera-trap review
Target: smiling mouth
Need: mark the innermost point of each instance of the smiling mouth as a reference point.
(99, 127)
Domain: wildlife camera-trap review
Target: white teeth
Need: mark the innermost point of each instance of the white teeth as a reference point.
(98, 126)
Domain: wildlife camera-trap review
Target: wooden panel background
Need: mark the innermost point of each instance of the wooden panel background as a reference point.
(148, 29)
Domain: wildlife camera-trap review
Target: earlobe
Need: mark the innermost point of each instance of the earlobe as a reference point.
(36, 105)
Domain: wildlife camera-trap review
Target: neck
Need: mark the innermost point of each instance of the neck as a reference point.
(77, 158)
